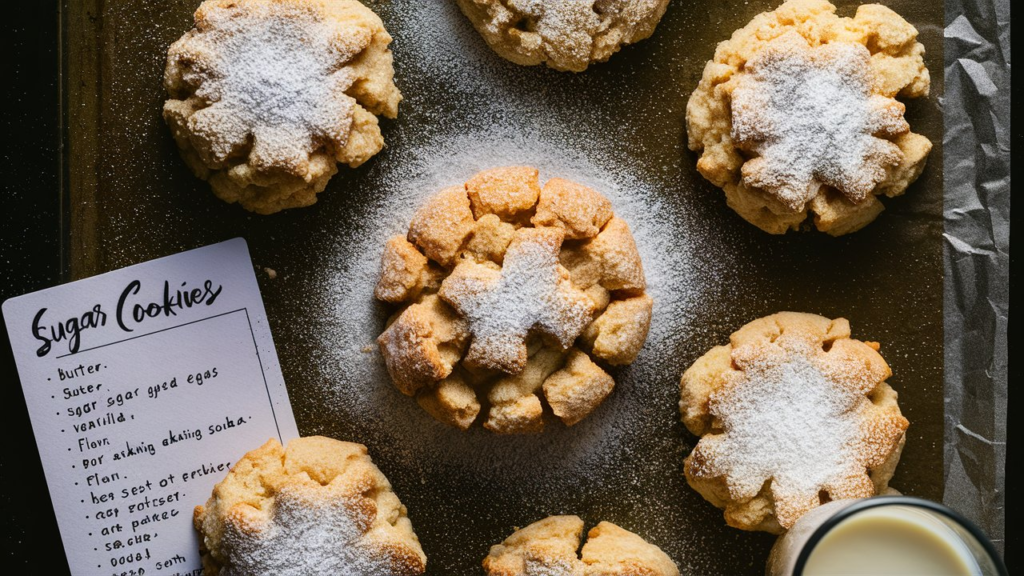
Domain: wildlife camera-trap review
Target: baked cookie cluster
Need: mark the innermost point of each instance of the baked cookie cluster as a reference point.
(792, 413)
(510, 293)
(796, 116)
(564, 34)
(317, 506)
(268, 96)
(551, 547)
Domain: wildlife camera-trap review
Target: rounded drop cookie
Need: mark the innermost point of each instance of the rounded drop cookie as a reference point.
(317, 506)
(796, 116)
(511, 301)
(267, 97)
(792, 413)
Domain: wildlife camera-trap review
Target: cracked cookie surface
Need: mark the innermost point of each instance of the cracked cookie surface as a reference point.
(267, 97)
(791, 414)
(512, 300)
(796, 117)
(551, 547)
(564, 34)
(317, 506)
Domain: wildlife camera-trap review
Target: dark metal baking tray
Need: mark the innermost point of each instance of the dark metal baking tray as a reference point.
(130, 198)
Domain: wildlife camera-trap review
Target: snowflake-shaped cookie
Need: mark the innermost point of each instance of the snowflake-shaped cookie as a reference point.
(268, 96)
(811, 119)
(794, 118)
(319, 506)
(792, 414)
(514, 294)
(551, 547)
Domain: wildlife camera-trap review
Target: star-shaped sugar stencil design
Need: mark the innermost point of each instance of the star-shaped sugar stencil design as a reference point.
(531, 291)
(275, 79)
(809, 117)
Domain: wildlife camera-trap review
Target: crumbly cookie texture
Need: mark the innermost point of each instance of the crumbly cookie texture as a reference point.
(268, 96)
(792, 413)
(551, 547)
(317, 506)
(796, 116)
(511, 298)
(564, 34)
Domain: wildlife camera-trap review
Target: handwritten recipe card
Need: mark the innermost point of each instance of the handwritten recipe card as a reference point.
(144, 386)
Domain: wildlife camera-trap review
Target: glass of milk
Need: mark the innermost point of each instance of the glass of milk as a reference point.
(884, 536)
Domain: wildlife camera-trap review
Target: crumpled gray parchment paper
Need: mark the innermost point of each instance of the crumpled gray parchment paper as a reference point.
(976, 108)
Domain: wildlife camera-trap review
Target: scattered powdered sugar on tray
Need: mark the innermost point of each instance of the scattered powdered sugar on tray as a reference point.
(617, 128)
(466, 110)
(356, 380)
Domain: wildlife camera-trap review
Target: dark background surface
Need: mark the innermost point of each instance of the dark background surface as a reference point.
(30, 255)
(30, 248)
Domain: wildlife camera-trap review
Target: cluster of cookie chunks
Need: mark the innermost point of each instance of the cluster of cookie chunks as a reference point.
(428, 346)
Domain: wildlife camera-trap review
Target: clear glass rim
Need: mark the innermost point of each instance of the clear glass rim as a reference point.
(877, 501)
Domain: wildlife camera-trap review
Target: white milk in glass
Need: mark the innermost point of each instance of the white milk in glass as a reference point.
(891, 540)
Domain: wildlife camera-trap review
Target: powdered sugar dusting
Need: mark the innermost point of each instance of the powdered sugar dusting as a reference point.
(566, 34)
(304, 535)
(273, 74)
(785, 421)
(567, 22)
(492, 113)
(619, 129)
(810, 117)
(535, 567)
(530, 291)
(356, 381)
